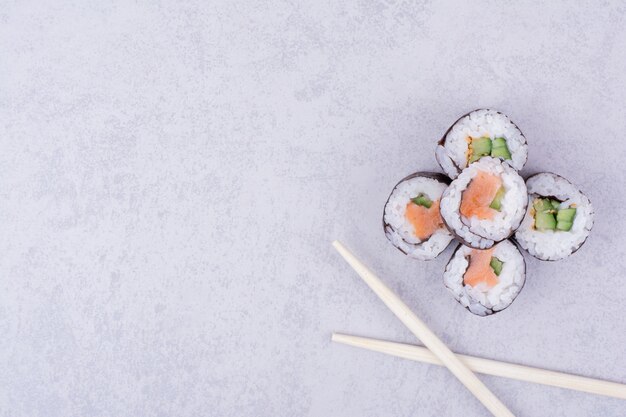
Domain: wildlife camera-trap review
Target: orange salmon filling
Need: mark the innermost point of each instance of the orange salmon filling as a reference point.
(480, 270)
(479, 195)
(425, 221)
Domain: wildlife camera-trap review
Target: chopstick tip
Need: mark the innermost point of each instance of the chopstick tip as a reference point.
(338, 337)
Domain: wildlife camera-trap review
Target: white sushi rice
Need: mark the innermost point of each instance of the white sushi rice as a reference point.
(551, 245)
(484, 233)
(401, 232)
(481, 300)
(451, 153)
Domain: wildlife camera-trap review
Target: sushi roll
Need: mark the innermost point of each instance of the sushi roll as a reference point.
(477, 134)
(411, 218)
(486, 281)
(485, 203)
(558, 220)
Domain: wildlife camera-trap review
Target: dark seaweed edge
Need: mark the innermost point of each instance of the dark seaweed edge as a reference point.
(442, 142)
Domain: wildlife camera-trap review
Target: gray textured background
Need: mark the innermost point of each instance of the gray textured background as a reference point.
(171, 176)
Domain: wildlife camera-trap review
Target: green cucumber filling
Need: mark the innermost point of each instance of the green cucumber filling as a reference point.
(548, 215)
(496, 265)
(479, 147)
(545, 220)
(543, 205)
(484, 146)
(565, 219)
(496, 204)
(499, 149)
(422, 200)
(555, 204)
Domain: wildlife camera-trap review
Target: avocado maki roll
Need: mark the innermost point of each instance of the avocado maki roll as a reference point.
(486, 281)
(558, 220)
(478, 134)
(485, 203)
(412, 220)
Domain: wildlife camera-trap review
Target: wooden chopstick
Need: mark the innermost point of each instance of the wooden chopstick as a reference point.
(490, 367)
(427, 337)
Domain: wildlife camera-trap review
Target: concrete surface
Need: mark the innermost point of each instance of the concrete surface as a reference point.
(172, 174)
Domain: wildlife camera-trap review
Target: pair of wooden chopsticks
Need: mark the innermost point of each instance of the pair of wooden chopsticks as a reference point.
(489, 367)
(436, 352)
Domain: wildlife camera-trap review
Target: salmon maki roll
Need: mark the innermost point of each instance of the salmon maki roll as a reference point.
(558, 220)
(486, 281)
(412, 220)
(481, 133)
(485, 203)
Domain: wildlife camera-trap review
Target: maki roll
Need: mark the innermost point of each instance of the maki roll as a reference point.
(477, 134)
(486, 281)
(485, 203)
(411, 219)
(558, 220)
